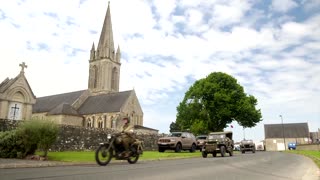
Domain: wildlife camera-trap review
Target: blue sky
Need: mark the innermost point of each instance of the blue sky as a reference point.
(271, 47)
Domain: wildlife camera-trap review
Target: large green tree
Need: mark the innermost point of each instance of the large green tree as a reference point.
(215, 101)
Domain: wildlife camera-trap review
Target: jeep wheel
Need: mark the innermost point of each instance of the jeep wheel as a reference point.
(161, 150)
(223, 151)
(193, 148)
(214, 154)
(204, 154)
(178, 148)
(231, 152)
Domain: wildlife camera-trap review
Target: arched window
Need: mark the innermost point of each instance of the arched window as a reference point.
(89, 122)
(114, 77)
(114, 123)
(100, 123)
(15, 111)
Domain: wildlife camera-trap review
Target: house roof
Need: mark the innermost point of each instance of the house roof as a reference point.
(111, 102)
(292, 130)
(48, 103)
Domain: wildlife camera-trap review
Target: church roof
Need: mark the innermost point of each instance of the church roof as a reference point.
(48, 103)
(5, 84)
(61, 103)
(103, 103)
(64, 108)
(143, 127)
(292, 130)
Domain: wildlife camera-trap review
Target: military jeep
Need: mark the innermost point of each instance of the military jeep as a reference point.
(218, 142)
(247, 145)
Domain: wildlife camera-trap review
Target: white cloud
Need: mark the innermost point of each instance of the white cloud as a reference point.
(283, 5)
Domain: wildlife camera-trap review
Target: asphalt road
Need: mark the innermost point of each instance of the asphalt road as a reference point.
(261, 165)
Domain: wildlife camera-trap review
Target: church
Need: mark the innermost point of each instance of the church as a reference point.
(99, 106)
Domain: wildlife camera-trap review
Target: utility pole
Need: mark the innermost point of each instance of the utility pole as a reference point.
(244, 135)
(284, 139)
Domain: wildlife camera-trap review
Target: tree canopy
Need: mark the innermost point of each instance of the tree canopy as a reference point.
(215, 101)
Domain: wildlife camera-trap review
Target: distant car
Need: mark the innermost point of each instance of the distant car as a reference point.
(292, 146)
(260, 146)
(247, 145)
(178, 141)
(236, 147)
(200, 141)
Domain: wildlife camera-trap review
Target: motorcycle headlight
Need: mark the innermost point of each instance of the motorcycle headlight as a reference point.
(109, 136)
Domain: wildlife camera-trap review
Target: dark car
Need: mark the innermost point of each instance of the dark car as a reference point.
(200, 141)
(292, 146)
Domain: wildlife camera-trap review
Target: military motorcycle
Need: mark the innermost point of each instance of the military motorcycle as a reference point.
(114, 148)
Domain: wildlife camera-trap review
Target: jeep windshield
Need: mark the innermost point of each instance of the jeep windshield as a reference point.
(201, 137)
(216, 136)
(174, 135)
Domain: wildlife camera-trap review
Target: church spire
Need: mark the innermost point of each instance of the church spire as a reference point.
(92, 52)
(118, 55)
(106, 44)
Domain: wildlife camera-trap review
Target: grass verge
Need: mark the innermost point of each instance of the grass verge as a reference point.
(314, 155)
(89, 156)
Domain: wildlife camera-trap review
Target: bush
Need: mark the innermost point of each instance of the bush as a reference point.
(38, 134)
(11, 145)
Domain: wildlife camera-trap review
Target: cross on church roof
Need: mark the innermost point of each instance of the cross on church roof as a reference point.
(23, 65)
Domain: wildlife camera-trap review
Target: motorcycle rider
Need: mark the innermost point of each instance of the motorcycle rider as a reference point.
(127, 136)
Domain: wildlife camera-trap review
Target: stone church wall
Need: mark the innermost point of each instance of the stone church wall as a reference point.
(73, 138)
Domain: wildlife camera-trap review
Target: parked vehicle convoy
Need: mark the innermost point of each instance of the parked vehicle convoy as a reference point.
(218, 142)
(247, 145)
(178, 141)
(114, 148)
(200, 141)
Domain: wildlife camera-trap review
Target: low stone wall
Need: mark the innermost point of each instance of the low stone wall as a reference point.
(313, 147)
(7, 125)
(74, 138)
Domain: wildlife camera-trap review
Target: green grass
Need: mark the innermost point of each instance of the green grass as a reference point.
(89, 156)
(314, 155)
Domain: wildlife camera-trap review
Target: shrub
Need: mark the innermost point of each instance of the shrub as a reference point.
(11, 145)
(38, 133)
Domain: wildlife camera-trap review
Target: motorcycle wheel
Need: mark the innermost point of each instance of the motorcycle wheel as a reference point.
(133, 159)
(103, 157)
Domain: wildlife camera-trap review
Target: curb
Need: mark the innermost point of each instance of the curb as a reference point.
(35, 163)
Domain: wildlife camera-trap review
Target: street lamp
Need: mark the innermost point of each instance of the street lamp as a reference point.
(284, 139)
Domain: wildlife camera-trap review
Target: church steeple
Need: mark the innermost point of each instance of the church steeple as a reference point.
(104, 63)
(106, 45)
(118, 55)
(92, 52)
